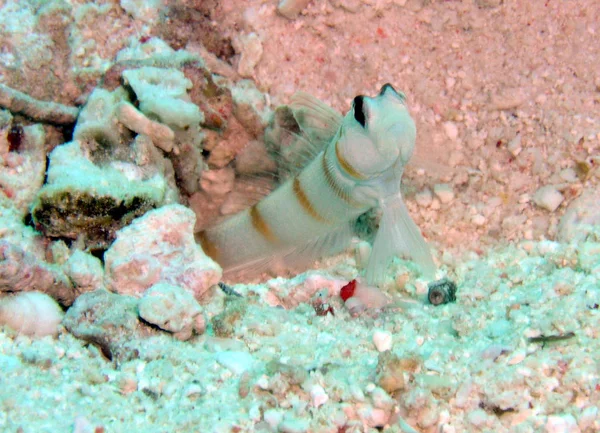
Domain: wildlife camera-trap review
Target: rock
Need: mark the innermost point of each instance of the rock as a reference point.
(451, 130)
(444, 192)
(108, 321)
(161, 135)
(424, 198)
(81, 199)
(217, 182)
(31, 313)
(250, 48)
(84, 271)
(224, 324)
(171, 308)
(21, 270)
(22, 163)
(143, 10)
(382, 340)
(291, 8)
(581, 219)
(236, 362)
(162, 94)
(159, 247)
(391, 369)
(234, 140)
(97, 121)
(564, 423)
(250, 107)
(548, 197)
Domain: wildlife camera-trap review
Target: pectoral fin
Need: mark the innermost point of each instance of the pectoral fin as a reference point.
(397, 235)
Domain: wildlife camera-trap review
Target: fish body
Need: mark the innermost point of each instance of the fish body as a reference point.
(310, 215)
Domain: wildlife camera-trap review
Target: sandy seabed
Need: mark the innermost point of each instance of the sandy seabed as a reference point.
(504, 186)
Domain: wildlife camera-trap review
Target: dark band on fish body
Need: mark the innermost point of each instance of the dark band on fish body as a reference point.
(260, 225)
(209, 248)
(305, 201)
(346, 166)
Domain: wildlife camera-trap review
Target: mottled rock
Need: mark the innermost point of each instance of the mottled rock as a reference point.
(108, 321)
(81, 199)
(84, 271)
(159, 247)
(98, 120)
(548, 197)
(250, 107)
(22, 161)
(21, 270)
(581, 219)
(224, 324)
(170, 308)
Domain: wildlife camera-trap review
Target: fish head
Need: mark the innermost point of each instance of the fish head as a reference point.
(377, 134)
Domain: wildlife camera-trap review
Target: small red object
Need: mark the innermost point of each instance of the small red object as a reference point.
(348, 290)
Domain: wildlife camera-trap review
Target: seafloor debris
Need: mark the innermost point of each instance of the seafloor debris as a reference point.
(441, 292)
(51, 112)
(225, 323)
(391, 369)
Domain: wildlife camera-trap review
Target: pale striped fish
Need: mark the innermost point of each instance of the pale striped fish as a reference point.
(311, 214)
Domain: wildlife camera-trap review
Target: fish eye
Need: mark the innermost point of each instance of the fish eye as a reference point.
(359, 114)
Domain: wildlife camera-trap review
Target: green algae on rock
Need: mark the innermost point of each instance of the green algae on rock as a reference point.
(83, 200)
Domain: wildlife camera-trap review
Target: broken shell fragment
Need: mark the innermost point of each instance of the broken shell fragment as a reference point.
(442, 292)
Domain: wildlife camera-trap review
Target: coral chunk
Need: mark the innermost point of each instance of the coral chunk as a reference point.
(160, 247)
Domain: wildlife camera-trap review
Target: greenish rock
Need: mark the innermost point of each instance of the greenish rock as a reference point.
(84, 201)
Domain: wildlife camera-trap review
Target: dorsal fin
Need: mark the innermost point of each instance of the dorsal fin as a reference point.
(316, 119)
(300, 131)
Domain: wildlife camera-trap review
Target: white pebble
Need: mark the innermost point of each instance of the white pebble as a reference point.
(561, 424)
(443, 192)
(478, 219)
(318, 395)
(548, 197)
(477, 417)
(382, 340)
(236, 362)
(291, 8)
(587, 417)
(514, 145)
(424, 198)
(451, 130)
(516, 358)
(31, 313)
(273, 417)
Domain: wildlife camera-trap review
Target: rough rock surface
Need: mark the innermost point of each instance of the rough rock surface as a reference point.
(171, 308)
(82, 199)
(136, 261)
